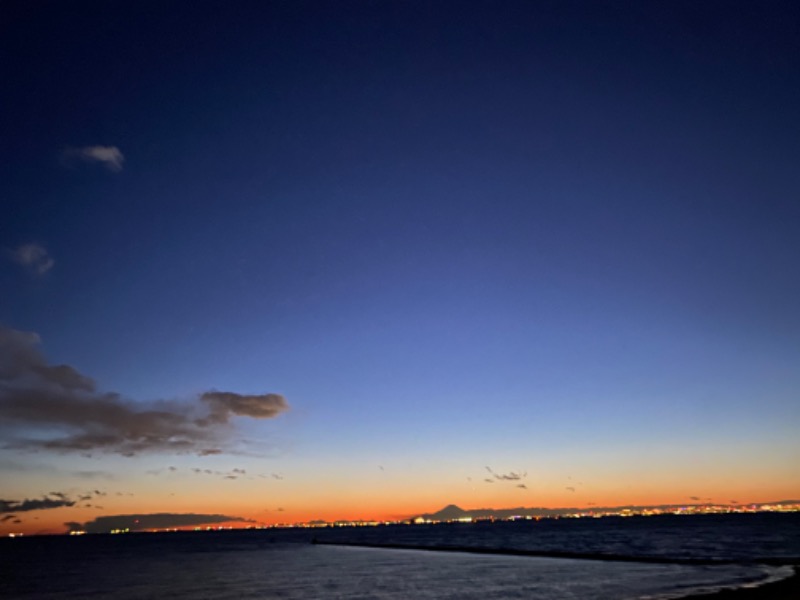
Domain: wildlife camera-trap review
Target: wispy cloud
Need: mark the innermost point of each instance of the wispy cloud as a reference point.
(33, 257)
(232, 474)
(510, 476)
(54, 407)
(51, 500)
(91, 494)
(109, 156)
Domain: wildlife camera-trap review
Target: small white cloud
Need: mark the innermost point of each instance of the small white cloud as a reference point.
(33, 257)
(110, 156)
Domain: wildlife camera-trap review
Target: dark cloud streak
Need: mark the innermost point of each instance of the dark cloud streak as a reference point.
(510, 476)
(62, 410)
(52, 500)
(139, 522)
(224, 405)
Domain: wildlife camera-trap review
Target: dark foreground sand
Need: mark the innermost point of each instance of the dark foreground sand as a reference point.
(785, 589)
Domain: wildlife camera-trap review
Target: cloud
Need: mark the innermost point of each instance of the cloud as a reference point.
(33, 257)
(233, 474)
(109, 156)
(91, 494)
(223, 405)
(54, 407)
(569, 488)
(151, 521)
(522, 486)
(51, 500)
(209, 451)
(510, 476)
(8, 518)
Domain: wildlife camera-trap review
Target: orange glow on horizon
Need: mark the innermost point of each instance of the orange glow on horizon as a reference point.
(53, 521)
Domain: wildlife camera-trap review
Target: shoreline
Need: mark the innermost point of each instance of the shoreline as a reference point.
(787, 588)
(783, 589)
(597, 556)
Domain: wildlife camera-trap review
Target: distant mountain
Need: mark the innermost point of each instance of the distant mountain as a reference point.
(451, 512)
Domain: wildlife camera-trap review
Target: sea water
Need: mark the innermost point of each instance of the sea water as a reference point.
(284, 564)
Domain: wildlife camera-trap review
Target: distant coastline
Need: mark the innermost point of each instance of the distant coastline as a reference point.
(456, 513)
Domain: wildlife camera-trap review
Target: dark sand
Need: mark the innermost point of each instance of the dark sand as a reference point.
(785, 589)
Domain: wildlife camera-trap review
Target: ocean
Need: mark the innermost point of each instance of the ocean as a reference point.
(284, 563)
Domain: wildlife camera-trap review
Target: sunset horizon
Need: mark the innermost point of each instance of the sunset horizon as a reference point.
(439, 297)
(162, 521)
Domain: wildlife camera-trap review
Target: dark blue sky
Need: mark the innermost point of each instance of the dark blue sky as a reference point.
(569, 212)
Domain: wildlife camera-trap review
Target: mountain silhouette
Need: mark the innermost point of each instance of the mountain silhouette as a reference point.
(451, 512)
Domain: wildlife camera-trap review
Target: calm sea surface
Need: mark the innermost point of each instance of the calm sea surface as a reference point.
(284, 564)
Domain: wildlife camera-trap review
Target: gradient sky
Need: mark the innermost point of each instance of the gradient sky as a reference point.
(557, 240)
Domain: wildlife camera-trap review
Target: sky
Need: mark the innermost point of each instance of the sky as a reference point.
(268, 262)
